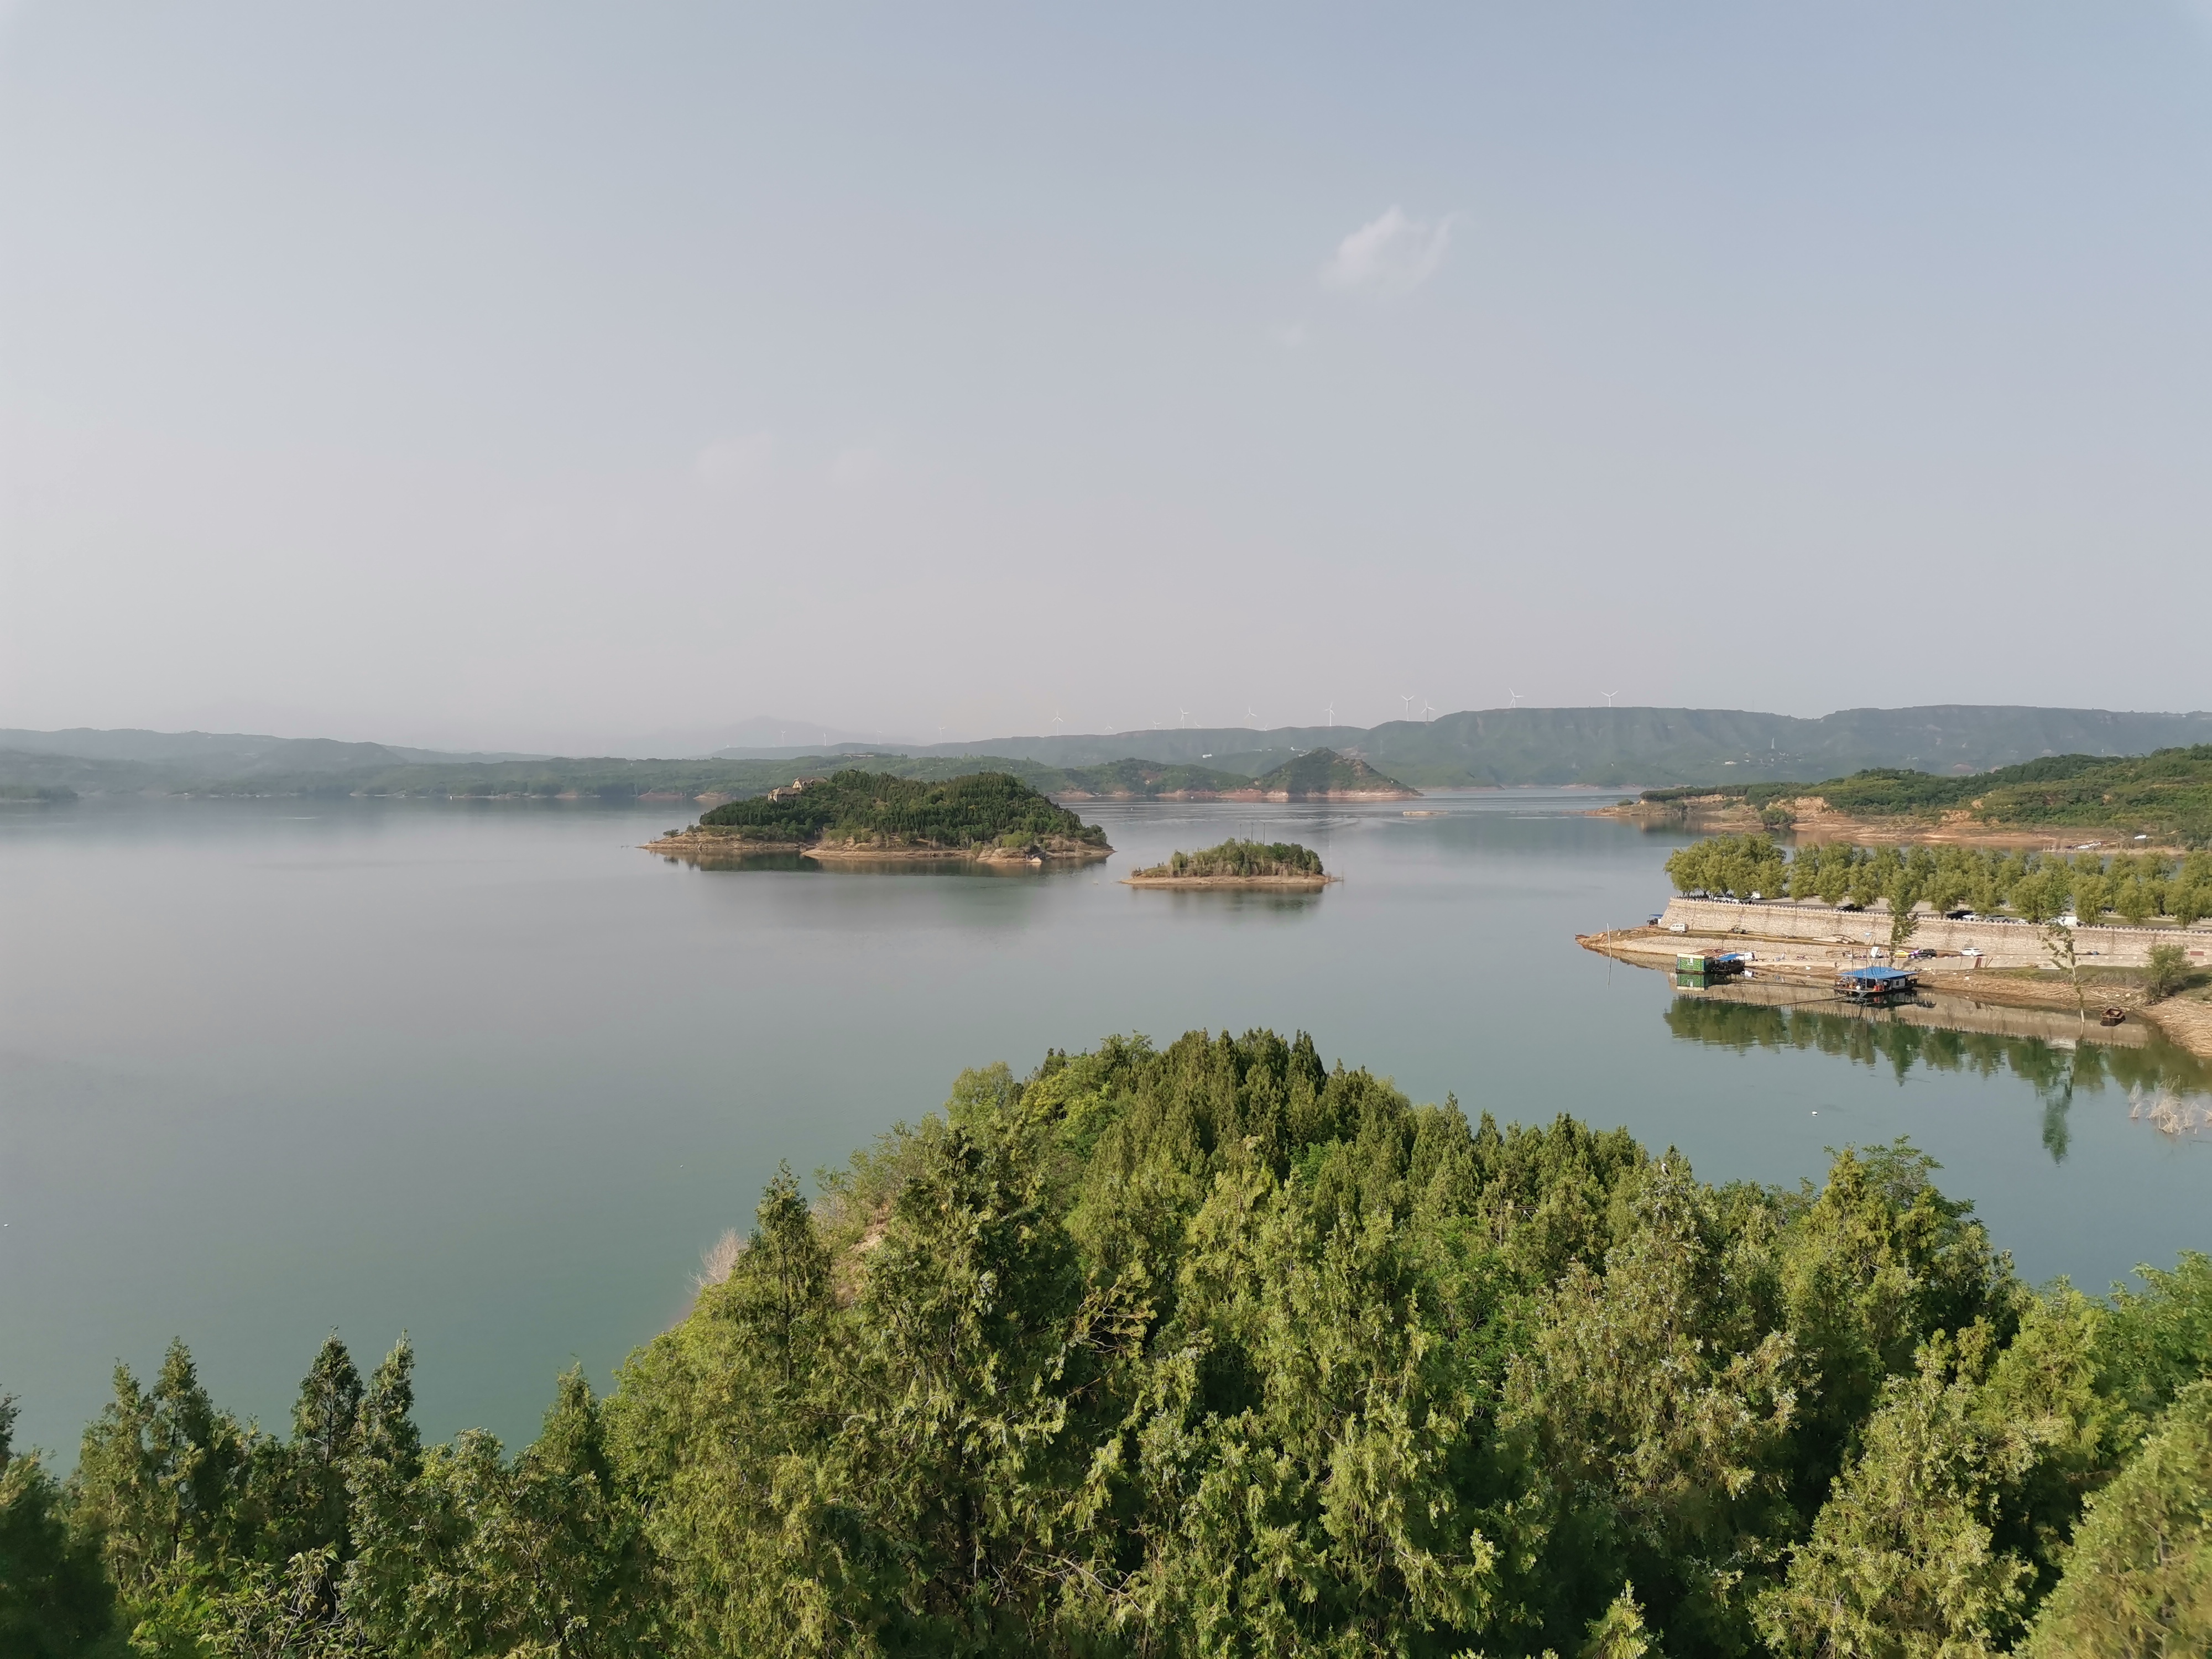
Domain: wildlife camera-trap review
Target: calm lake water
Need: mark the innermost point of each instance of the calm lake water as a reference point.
(490, 1075)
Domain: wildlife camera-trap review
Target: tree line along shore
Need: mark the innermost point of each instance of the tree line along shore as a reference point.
(2036, 887)
(1216, 1348)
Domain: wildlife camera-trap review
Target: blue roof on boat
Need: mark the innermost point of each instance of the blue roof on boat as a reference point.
(1875, 976)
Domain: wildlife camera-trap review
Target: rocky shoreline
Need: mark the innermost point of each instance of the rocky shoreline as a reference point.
(707, 846)
(1141, 880)
(1812, 820)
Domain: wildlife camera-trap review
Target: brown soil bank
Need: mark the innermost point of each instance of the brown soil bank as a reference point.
(710, 845)
(1813, 821)
(1279, 882)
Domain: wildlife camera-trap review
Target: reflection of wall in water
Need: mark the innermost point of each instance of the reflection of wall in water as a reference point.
(1899, 1044)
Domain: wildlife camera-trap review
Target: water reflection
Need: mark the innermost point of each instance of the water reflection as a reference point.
(2151, 1071)
(890, 864)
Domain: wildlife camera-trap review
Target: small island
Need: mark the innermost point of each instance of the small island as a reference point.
(1238, 863)
(983, 818)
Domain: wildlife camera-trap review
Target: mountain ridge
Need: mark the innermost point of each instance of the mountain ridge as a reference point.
(1608, 747)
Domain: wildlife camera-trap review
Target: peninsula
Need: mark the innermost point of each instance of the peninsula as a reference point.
(984, 817)
(2164, 797)
(1238, 863)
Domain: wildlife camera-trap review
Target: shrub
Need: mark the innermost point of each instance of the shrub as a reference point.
(2168, 970)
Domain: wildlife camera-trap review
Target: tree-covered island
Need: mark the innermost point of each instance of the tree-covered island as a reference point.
(1237, 864)
(986, 817)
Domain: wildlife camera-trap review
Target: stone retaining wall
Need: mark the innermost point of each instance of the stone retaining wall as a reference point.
(2006, 945)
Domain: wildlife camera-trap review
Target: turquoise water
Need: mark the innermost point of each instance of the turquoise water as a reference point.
(490, 1073)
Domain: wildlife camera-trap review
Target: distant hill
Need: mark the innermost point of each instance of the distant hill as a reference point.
(1324, 774)
(2166, 794)
(234, 753)
(223, 773)
(1612, 747)
(1606, 747)
(1132, 778)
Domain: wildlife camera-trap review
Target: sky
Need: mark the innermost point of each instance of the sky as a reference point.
(563, 377)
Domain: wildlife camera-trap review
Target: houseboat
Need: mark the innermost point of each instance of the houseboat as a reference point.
(1875, 984)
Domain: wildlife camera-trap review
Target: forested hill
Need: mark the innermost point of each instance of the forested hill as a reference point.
(1640, 745)
(236, 754)
(1324, 774)
(1611, 747)
(1135, 778)
(874, 808)
(2167, 794)
(1219, 1349)
(609, 780)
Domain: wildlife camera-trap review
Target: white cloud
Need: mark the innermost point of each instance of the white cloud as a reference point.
(1388, 256)
(736, 463)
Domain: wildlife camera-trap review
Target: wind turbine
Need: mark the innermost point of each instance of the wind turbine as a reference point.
(1515, 696)
(1428, 708)
(1332, 714)
(1406, 698)
(1183, 714)
(1609, 697)
(1251, 713)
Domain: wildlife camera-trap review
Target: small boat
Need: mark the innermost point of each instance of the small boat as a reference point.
(2114, 1017)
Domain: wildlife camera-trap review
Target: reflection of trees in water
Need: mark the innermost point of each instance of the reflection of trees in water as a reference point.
(2052, 1071)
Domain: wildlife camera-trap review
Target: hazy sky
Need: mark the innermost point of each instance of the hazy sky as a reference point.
(547, 375)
